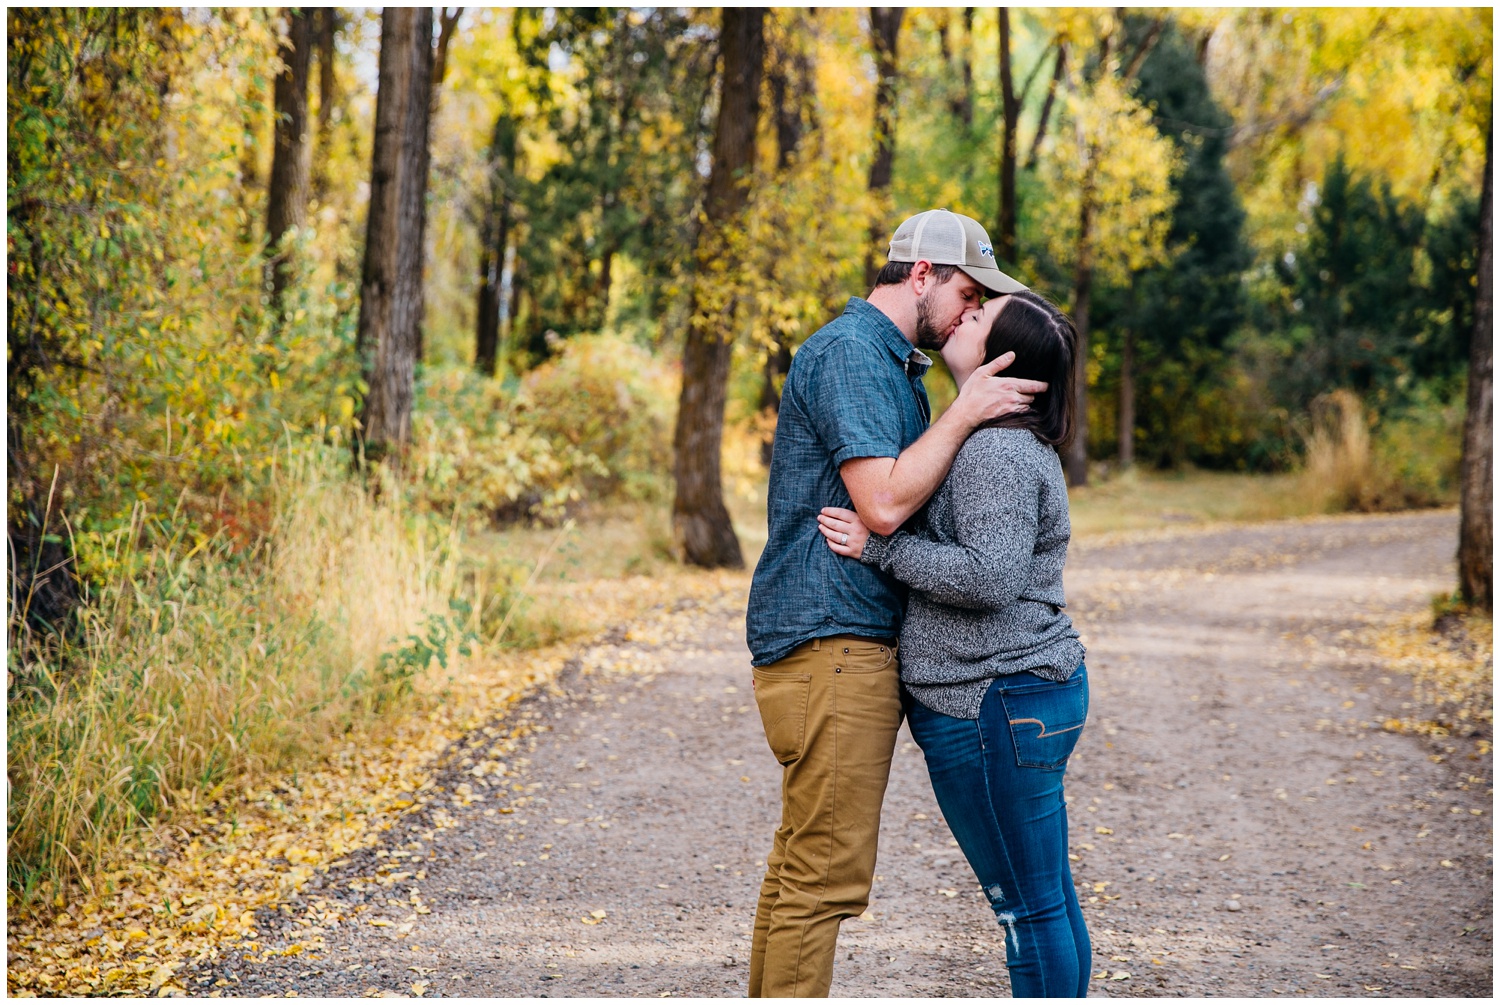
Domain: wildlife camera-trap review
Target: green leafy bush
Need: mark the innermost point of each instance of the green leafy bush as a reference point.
(473, 456)
(609, 398)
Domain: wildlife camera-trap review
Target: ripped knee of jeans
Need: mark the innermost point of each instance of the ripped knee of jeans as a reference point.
(1008, 922)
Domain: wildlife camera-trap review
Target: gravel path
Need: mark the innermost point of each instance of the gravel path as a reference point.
(1241, 824)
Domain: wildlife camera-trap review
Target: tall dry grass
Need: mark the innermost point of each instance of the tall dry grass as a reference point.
(205, 666)
(1410, 461)
(1339, 466)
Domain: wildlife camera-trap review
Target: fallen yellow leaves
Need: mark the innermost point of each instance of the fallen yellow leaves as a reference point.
(192, 890)
(1452, 671)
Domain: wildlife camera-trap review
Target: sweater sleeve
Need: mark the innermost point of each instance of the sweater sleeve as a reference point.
(994, 492)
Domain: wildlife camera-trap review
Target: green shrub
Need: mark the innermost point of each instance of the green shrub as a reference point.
(607, 397)
(1419, 451)
(473, 456)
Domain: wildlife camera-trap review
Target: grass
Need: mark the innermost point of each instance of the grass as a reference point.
(1137, 500)
(203, 666)
(1409, 461)
(619, 541)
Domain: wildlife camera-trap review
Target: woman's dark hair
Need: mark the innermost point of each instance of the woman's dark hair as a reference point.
(1044, 341)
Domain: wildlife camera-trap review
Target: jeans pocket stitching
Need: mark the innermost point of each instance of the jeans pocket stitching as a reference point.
(1043, 734)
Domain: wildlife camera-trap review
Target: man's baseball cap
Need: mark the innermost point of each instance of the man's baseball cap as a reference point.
(945, 238)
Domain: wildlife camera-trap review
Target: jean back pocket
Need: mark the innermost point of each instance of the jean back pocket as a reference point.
(1046, 720)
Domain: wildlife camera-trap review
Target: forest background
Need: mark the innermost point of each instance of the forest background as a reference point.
(328, 329)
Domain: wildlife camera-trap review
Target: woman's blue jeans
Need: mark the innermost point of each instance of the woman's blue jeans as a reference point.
(999, 781)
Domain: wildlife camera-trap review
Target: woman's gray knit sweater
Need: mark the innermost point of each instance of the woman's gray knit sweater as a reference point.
(985, 570)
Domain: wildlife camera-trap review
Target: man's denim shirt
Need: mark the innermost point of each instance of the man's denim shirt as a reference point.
(854, 390)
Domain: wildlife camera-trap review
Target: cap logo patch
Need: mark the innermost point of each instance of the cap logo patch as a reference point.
(986, 251)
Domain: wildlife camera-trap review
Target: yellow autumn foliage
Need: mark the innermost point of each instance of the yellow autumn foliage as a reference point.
(1401, 92)
(1110, 149)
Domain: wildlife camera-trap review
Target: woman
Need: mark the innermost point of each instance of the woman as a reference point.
(993, 682)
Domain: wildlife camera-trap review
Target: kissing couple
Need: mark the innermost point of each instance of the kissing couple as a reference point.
(916, 571)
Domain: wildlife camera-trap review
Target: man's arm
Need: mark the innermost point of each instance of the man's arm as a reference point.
(887, 490)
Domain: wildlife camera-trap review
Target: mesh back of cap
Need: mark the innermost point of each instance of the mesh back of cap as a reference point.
(940, 239)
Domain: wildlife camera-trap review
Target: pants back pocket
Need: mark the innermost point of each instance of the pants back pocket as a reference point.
(782, 700)
(1046, 720)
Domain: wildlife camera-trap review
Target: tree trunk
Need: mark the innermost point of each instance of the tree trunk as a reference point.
(1041, 126)
(447, 23)
(700, 523)
(1077, 461)
(430, 66)
(885, 28)
(1010, 111)
(960, 105)
(409, 300)
(773, 375)
(327, 32)
(249, 165)
(494, 237)
(1127, 400)
(1476, 560)
(788, 78)
(487, 304)
(966, 68)
(373, 336)
(286, 195)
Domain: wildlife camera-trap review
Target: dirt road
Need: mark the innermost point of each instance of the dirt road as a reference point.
(1241, 823)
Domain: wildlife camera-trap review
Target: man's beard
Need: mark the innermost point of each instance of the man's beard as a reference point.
(928, 337)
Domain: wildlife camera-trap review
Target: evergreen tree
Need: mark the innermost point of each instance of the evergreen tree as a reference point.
(1439, 349)
(1176, 318)
(1356, 306)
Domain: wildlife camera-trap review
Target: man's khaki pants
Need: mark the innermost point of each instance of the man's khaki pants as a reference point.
(831, 710)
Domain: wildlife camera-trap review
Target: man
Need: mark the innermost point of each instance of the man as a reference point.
(852, 431)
